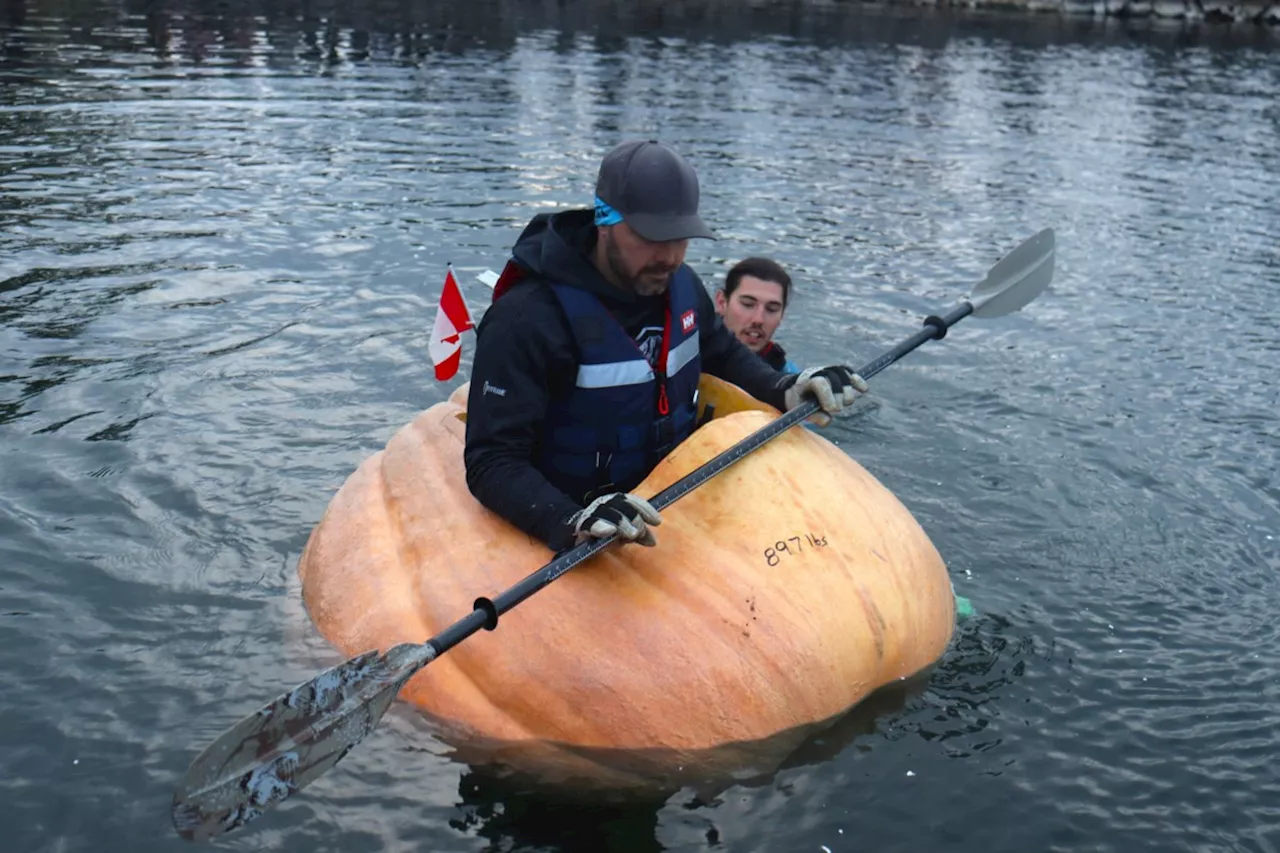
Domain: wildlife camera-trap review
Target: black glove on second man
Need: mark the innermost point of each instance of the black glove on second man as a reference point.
(834, 388)
(626, 515)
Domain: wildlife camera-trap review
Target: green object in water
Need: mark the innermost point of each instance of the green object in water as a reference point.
(964, 607)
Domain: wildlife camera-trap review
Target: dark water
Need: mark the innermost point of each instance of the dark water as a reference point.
(222, 227)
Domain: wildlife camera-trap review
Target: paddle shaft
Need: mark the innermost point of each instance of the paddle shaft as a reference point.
(486, 612)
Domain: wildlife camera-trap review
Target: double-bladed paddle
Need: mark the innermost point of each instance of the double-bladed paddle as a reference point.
(290, 742)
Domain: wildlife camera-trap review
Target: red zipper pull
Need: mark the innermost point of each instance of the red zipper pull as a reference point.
(664, 407)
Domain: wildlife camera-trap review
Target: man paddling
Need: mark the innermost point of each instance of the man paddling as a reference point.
(752, 303)
(587, 362)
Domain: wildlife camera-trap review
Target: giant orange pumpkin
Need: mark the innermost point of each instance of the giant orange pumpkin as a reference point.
(781, 593)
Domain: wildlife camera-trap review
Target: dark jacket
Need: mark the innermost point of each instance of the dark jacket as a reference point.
(525, 357)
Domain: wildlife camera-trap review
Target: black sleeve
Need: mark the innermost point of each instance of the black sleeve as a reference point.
(725, 356)
(522, 348)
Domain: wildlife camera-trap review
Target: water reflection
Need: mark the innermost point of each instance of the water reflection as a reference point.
(238, 33)
(947, 704)
(216, 221)
(522, 819)
(512, 812)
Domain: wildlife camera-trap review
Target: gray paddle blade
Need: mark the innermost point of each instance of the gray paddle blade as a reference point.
(272, 754)
(1021, 276)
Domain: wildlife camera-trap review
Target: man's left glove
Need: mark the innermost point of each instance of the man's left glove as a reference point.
(626, 515)
(834, 388)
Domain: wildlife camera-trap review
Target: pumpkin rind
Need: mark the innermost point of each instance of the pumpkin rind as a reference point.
(642, 663)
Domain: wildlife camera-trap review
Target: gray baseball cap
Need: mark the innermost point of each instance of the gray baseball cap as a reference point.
(653, 189)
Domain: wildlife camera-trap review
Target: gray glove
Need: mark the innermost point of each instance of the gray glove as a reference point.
(626, 515)
(834, 388)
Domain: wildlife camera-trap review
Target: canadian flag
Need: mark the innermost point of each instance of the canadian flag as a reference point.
(452, 319)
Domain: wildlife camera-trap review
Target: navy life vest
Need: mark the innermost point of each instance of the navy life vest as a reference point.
(622, 415)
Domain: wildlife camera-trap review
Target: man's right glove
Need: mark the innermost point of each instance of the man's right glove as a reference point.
(833, 387)
(626, 515)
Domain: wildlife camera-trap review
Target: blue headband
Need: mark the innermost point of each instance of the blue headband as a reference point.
(606, 215)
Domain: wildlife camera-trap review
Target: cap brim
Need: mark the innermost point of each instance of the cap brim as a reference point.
(660, 229)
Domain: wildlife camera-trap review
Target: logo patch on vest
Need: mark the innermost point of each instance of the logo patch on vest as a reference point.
(650, 341)
(688, 321)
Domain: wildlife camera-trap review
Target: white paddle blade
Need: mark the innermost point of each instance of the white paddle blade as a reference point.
(273, 754)
(1020, 277)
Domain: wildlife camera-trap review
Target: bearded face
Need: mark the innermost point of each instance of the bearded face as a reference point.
(638, 265)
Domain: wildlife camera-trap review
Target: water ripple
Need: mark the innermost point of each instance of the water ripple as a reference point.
(221, 238)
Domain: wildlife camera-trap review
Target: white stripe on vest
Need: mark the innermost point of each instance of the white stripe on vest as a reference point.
(682, 355)
(634, 371)
(613, 374)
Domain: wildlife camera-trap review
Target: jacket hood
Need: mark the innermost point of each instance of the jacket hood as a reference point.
(558, 247)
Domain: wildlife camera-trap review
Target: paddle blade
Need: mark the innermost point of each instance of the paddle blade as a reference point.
(290, 742)
(1020, 277)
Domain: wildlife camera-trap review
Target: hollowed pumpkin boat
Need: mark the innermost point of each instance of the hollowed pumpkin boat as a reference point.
(781, 593)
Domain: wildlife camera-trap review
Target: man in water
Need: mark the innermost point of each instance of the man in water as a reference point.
(587, 362)
(752, 303)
